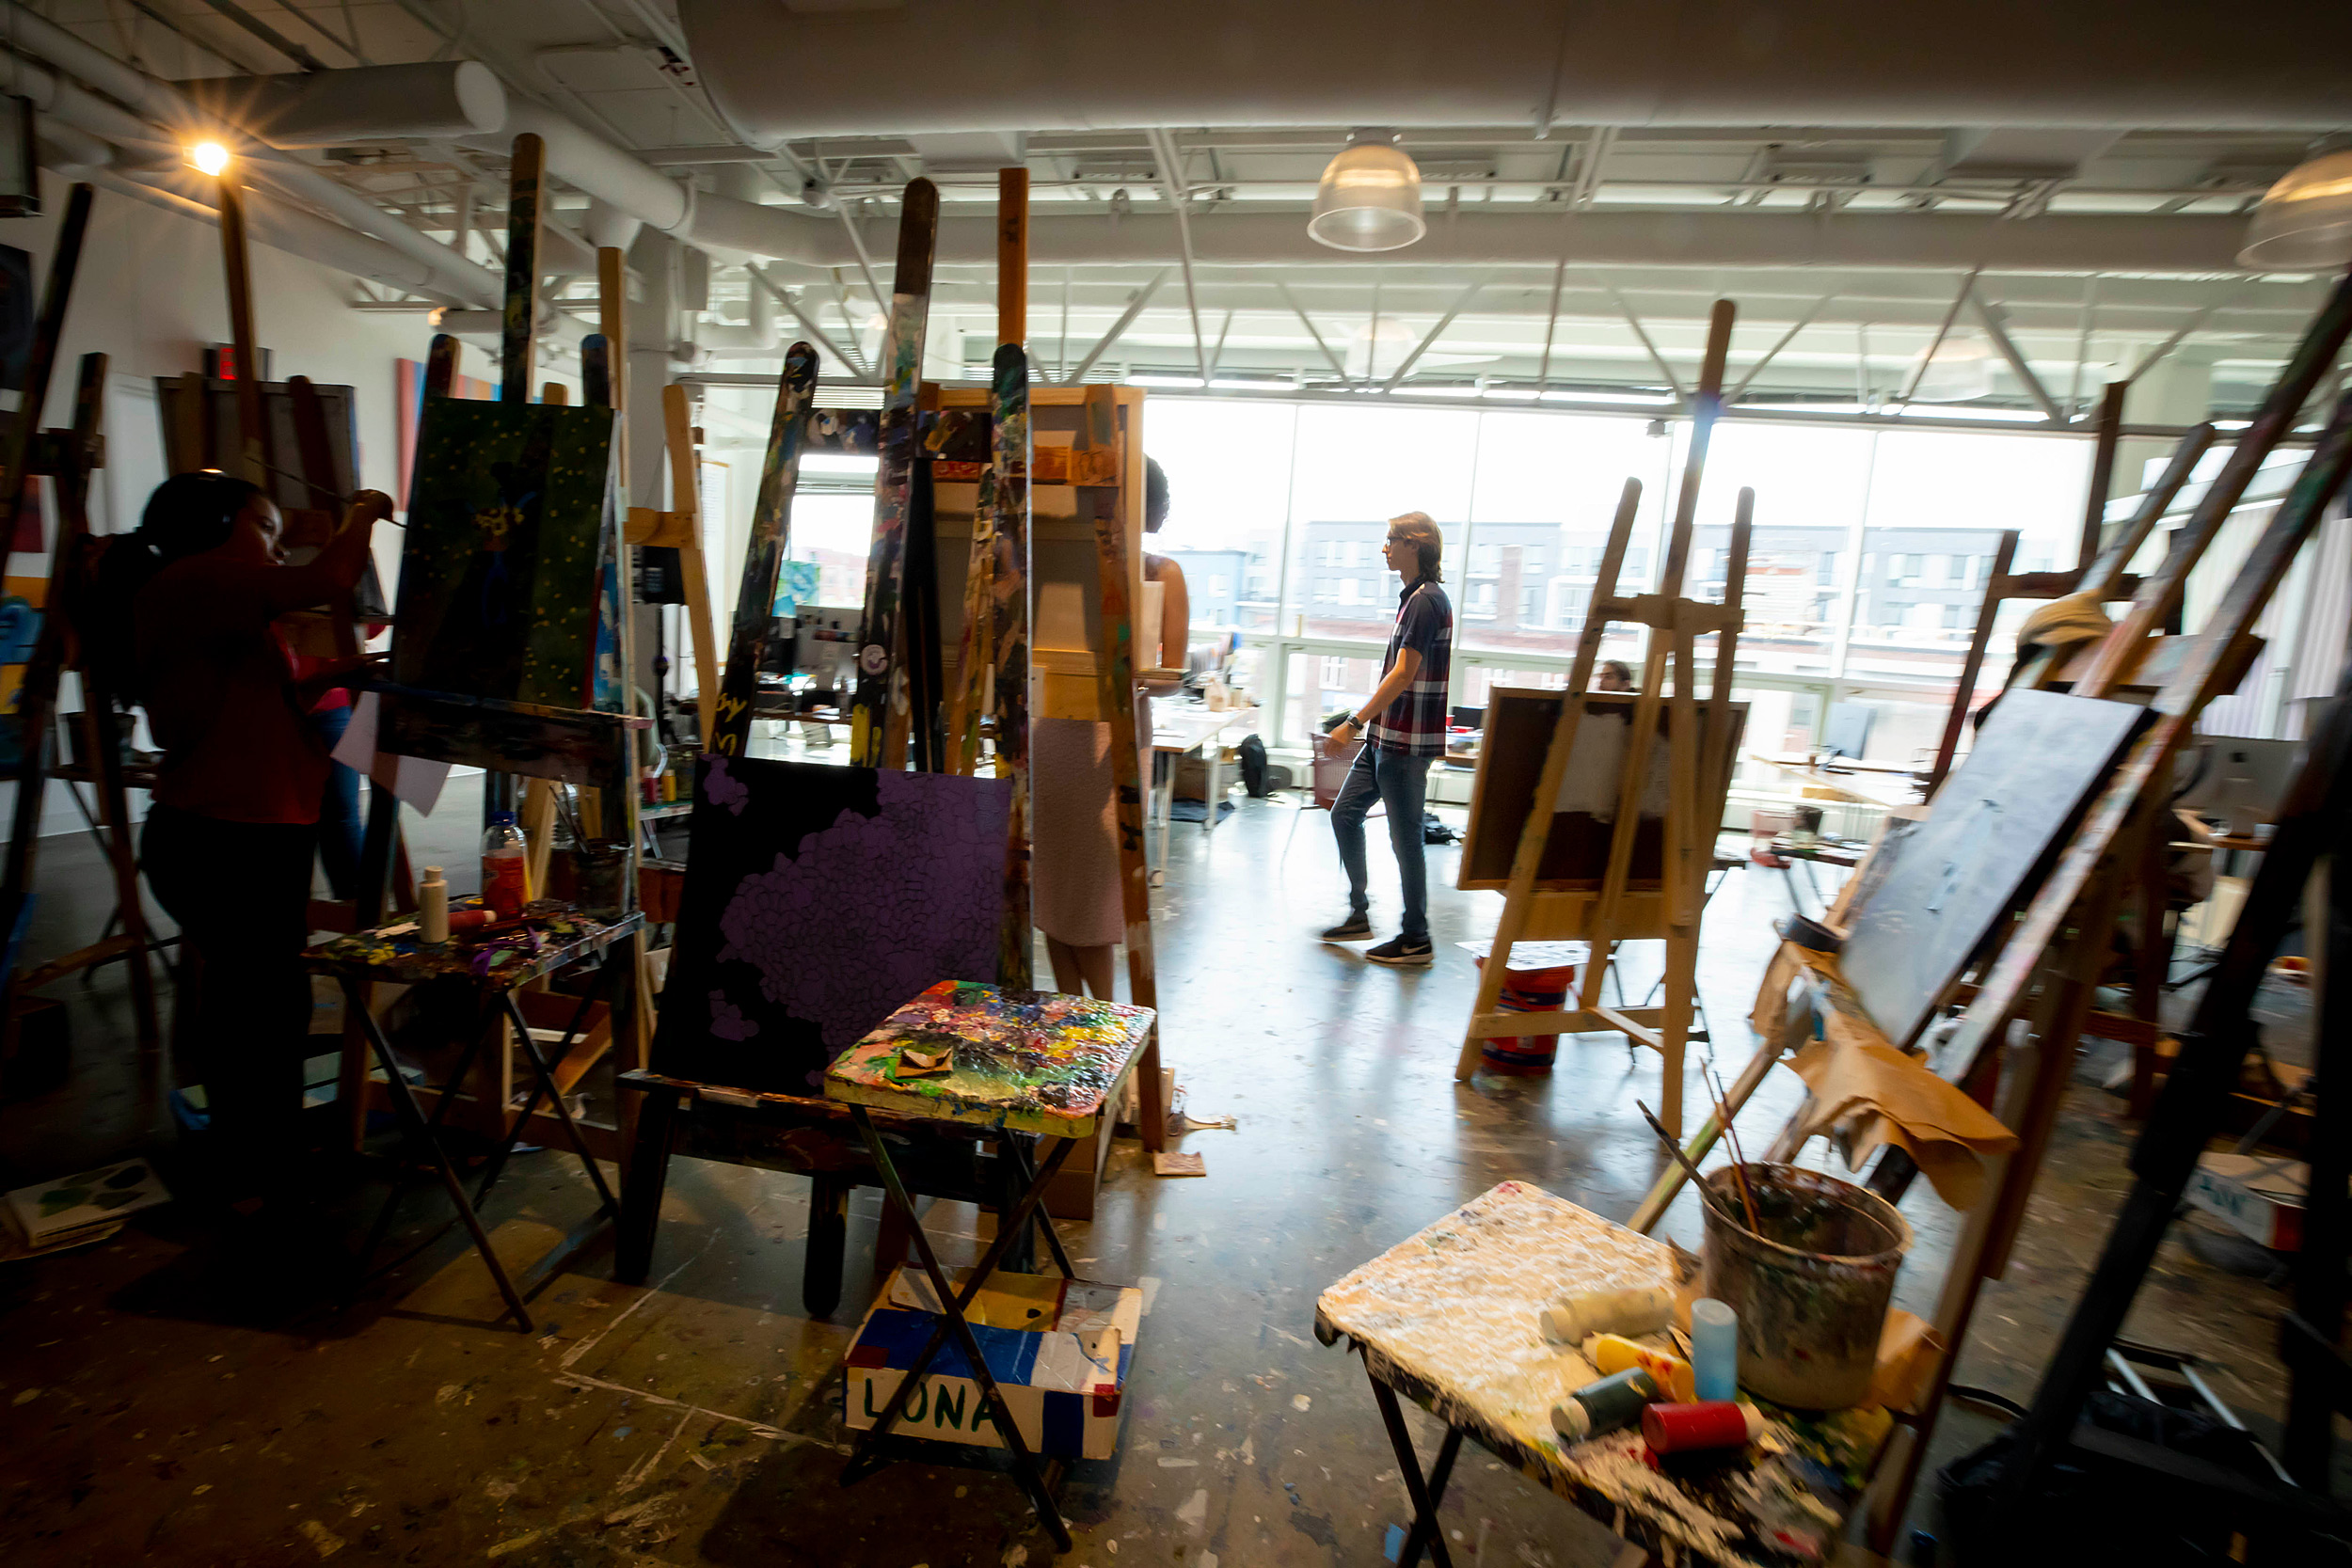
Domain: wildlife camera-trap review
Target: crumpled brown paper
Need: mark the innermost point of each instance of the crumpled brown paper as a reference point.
(1867, 1094)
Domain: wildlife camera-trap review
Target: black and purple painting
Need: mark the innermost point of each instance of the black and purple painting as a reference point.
(818, 901)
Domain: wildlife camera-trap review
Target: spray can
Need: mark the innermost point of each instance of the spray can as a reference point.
(1634, 1309)
(505, 871)
(432, 906)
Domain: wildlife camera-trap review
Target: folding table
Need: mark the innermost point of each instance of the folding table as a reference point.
(1448, 1318)
(550, 937)
(1007, 1064)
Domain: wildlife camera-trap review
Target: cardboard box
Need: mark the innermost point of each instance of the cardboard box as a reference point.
(1059, 1350)
(2260, 1199)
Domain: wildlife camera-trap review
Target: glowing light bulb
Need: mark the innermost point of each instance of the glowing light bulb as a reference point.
(209, 157)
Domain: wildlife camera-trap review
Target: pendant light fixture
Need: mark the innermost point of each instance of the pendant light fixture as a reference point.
(2304, 223)
(1370, 199)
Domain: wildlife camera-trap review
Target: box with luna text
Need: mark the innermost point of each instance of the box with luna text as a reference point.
(1058, 1349)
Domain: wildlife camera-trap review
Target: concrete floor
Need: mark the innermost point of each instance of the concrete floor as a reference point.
(176, 1397)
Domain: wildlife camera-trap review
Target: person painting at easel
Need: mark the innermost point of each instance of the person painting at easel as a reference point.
(233, 828)
(1404, 727)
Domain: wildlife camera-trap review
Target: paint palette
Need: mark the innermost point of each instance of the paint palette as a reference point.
(1025, 1060)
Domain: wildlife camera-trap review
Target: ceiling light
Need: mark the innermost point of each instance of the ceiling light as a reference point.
(1962, 371)
(1370, 199)
(877, 321)
(209, 157)
(2304, 223)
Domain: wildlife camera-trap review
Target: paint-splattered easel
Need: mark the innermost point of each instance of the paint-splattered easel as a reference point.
(1698, 769)
(69, 458)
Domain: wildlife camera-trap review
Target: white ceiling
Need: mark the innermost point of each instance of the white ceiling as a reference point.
(2098, 246)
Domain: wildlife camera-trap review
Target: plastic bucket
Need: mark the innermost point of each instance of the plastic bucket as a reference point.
(1812, 1291)
(1527, 991)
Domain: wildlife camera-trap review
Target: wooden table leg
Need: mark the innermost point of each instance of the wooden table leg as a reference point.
(822, 1255)
(642, 1183)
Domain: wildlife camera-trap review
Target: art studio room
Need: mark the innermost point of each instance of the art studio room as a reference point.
(916, 782)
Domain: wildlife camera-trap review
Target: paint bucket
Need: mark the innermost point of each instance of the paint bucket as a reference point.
(1527, 991)
(1811, 1291)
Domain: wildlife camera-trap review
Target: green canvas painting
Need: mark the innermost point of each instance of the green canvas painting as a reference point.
(509, 511)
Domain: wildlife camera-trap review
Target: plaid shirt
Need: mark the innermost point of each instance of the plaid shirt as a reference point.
(1414, 724)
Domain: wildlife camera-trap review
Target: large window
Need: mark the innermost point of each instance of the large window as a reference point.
(1229, 477)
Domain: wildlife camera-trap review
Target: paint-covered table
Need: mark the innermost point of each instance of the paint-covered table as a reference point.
(1448, 1319)
(1012, 1062)
(488, 970)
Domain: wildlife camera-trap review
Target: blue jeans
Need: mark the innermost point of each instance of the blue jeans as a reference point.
(339, 808)
(1400, 782)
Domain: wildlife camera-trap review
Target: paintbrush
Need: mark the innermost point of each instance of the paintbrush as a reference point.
(1739, 1160)
(1707, 1194)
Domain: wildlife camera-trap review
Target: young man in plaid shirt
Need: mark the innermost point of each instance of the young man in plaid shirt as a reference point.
(1404, 727)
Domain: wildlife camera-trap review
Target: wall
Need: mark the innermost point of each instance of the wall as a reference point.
(150, 295)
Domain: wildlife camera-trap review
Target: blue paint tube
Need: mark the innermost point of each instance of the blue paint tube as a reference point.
(1604, 1406)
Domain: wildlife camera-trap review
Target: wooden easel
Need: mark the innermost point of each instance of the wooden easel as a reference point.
(68, 456)
(1696, 764)
(2104, 576)
(2054, 958)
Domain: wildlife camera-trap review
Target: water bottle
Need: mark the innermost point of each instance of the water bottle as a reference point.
(505, 871)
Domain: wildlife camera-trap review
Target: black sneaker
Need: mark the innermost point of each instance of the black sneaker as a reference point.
(1400, 952)
(1356, 928)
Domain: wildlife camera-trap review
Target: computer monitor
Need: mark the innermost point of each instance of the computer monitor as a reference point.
(2238, 780)
(1847, 733)
(1469, 717)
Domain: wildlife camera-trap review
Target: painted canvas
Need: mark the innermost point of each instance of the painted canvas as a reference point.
(1519, 726)
(509, 517)
(1997, 823)
(1031, 1060)
(818, 901)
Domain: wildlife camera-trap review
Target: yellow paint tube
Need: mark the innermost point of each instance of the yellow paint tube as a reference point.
(1614, 1352)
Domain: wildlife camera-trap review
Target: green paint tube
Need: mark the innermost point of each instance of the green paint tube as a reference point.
(1604, 1406)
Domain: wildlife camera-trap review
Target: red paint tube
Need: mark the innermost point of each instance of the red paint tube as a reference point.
(1715, 1424)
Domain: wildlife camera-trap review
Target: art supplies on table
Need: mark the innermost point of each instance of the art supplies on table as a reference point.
(1616, 1401)
(73, 1209)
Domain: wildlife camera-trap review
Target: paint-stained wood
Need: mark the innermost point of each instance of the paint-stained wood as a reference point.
(754, 628)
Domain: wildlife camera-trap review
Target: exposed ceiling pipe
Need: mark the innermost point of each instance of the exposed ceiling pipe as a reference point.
(274, 222)
(335, 108)
(164, 104)
(1051, 65)
(1935, 241)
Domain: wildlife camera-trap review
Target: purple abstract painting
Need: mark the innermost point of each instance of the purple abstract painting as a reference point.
(819, 900)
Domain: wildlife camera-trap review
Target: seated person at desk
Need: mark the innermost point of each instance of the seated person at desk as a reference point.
(232, 831)
(1075, 835)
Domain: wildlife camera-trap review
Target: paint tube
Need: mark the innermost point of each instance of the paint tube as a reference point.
(1604, 1406)
(1638, 1309)
(1614, 1353)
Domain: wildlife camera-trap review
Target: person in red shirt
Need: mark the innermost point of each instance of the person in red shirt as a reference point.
(233, 828)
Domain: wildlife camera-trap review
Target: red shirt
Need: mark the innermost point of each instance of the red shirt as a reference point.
(218, 689)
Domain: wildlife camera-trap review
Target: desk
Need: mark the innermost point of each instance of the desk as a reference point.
(1842, 779)
(1448, 1318)
(1178, 730)
(550, 937)
(1018, 1062)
